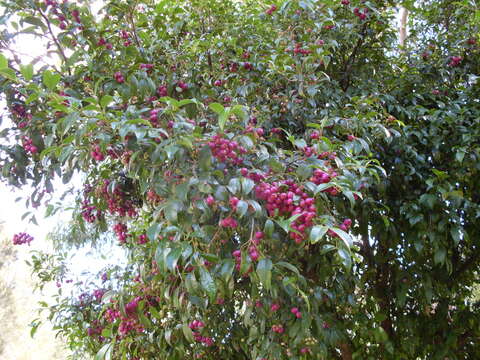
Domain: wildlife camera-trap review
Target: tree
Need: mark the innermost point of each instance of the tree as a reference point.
(285, 182)
(18, 308)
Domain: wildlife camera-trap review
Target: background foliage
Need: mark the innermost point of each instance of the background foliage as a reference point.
(286, 181)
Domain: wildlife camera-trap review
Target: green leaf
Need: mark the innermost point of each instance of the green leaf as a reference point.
(317, 233)
(8, 73)
(264, 272)
(247, 185)
(234, 186)
(242, 208)
(239, 110)
(106, 100)
(172, 258)
(268, 228)
(217, 107)
(208, 284)
(153, 231)
(440, 255)
(288, 266)
(188, 333)
(34, 21)
(226, 270)
(455, 232)
(102, 353)
(50, 79)
(3, 62)
(27, 71)
(347, 239)
(222, 119)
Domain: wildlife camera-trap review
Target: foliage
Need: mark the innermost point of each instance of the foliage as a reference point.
(286, 183)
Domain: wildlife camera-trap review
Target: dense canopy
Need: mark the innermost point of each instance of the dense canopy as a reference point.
(287, 181)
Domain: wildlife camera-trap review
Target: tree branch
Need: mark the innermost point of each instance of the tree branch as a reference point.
(403, 26)
(466, 265)
(54, 38)
(351, 59)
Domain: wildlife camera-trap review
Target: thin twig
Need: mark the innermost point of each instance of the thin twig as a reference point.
(54, 38)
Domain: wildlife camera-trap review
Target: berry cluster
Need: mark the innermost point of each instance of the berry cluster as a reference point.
(252, 176)
(28, 145)
(309, 151)
(182, 85)
(321, 177)
(103, 42)
(237, 254)
(275, 307)
(125, 36)
(271, 10)
(96, 329)
(88, 212)
(129, 324)
(132, 306)
(229, 222)
(345, 225)
(226, 150)
(22, 238)
(111, 315)
(196, 324)
(162, 91)
(98, 294)
(455, 61)
(76, 15)
(146, 67)
(345, 2)
(299, 50)
(315, 135)
(210, 200)
(142, 239)
(286, 198)
(234, 202)
(278, 329)
(296, 312)
(119, 77)
(96, 153)
(121, 232)
(153, 197)
(153, 117)
(362, 15)
(118, 203)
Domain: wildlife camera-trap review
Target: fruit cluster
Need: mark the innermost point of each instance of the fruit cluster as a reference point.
(362, 15)
(279, 329)
(88, 212)
(22, 238)
(229, 222)
(96, 153)
(120, 230)
(118, 201)
(455, 61)
(28, 145)
(286, 198)
(225, 150)
(296, 312)
(321, 177)
(119, 77)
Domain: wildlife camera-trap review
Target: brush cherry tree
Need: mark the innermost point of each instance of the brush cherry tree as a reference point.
(285, 180)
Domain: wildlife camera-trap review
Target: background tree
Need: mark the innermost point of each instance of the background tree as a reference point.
(18, 308)
(284, 182)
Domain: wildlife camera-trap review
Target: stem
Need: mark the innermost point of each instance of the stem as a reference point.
(351, 59)
(403, 26)
(54, 38)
